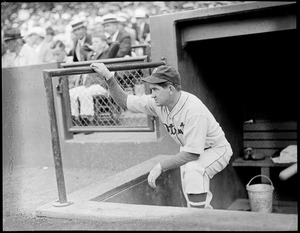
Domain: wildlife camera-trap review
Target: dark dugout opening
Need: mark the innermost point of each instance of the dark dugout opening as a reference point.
(245, 77)
(252, 75)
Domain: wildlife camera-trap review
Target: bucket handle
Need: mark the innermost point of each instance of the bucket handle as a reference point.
(258, 176)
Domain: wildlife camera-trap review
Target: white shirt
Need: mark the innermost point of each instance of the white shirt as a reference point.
(27, 56)
(142, 25)
(38, 47)
(114, 37)
(8, 59)
(44, 51)
(190, 123)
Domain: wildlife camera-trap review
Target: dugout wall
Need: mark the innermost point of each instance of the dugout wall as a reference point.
(239, 60)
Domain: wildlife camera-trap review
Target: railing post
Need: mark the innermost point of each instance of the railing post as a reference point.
(55, 142)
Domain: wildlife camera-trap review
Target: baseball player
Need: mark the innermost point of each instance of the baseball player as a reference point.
(204, 149)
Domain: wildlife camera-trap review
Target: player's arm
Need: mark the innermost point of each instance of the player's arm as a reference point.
(178, 160)
(116, 92)
(194, 136)
(169, 163)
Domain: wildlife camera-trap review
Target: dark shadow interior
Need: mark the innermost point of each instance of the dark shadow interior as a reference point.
(254, 72)
(242, 78)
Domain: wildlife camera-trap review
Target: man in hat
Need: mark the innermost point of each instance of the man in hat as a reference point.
(82, 37)
(204, 149)
(17, 52)
(112, 28)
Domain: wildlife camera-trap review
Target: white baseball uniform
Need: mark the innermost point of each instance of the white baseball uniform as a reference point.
(195, 129)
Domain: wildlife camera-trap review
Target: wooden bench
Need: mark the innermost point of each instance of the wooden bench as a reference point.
(267, 138)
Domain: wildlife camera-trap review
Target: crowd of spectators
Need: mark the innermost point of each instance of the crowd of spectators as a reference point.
(111, 37)
(59, 15)
(74, 32)
(76, 42)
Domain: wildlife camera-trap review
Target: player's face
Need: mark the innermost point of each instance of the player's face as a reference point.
(160, 95)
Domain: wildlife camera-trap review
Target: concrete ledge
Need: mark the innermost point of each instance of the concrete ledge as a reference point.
(120, 179)
(84, 208)
(113, 137)
(201, 219)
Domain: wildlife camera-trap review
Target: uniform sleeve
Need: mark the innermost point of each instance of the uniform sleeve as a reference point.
(142, 104)
(178, 160)
(195, 134)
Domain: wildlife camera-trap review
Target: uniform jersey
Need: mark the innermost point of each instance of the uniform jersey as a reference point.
(190, 123)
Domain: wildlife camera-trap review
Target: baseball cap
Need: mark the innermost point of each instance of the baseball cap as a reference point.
(12, 34)
(163, 74)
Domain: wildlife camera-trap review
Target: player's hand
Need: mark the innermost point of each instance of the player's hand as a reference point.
(102, 70)
(153, 175)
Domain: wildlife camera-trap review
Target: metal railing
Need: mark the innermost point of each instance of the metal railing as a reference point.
(105, 61)
(86, 110)
(63, 73)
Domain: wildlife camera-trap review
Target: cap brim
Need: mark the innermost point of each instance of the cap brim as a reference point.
(153, 79)
(75, 28)
(12, 38)
(112, 21)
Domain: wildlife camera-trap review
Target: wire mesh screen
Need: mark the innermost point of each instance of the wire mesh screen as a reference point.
(92, 105)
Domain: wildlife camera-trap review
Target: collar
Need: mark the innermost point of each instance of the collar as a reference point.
(114, 37)
(179, 105)
(81, 41)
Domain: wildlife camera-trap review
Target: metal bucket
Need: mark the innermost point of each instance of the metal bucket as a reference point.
(260, 196)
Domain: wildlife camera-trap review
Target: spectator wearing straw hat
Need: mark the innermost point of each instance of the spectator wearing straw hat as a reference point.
(112, 27)
(82, 38)
(18, 53)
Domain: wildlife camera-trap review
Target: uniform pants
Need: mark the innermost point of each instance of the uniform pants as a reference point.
(196, 175)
